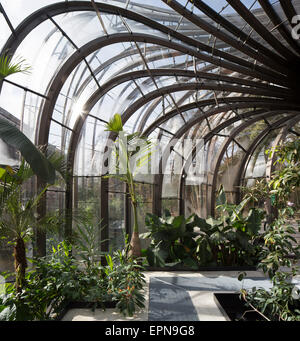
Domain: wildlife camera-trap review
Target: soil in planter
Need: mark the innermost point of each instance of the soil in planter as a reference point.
(235, 308)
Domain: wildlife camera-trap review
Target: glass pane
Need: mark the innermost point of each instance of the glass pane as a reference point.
(116, 215)
(12, 99)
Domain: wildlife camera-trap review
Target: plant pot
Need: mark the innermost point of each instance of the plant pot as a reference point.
(234, 309)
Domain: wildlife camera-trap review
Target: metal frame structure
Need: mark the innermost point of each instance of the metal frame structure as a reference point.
(187, 70)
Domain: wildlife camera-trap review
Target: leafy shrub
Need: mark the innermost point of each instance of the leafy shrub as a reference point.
(171, 240)
(280, 248)
(59, 279)
(125, 281)
(277, 304)
(230, 239)
(54, 280)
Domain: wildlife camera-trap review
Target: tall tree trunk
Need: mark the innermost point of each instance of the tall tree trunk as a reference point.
(20, 263)
(135, 243)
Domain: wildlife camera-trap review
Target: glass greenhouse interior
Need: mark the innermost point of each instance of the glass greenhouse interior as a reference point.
(214, 85)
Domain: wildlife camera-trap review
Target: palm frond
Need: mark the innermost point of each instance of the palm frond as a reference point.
(8, 67)
(115, 124)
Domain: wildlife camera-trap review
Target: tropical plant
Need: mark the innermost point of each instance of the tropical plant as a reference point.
(228, 244)
(286, 179)
(8, 67)
(256, 194)
(18, 217)
(58, 279)
(230, 239)
(280, 248)
(86, 241)
(18, 220)
(125, 281)
(54, 281)
(172, 240)
(280, 303)
(131, 152)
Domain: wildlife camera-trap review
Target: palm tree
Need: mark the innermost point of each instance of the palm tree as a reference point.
(131, 152)
(18, 216)
(18, 220)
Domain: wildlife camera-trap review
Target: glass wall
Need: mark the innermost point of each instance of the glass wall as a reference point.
(211, 89)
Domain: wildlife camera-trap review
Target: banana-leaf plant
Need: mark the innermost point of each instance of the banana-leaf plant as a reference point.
(172, 240)
(231, 238)
(131, 152)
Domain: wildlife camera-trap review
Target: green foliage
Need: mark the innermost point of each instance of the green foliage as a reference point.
(18, 215)
(58, 162)
(125, 281)
(87, 241)
(7, 67)
(278, 303)
(18, 218)
(132, 151)
(288, 153)
(256, 193)
(231, 239)
(280, 248)
(115, 124)
(59, 278)
(171, 240)
(54, 280)
(286, 179)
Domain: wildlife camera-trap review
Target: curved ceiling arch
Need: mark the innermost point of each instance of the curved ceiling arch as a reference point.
(64, 7)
